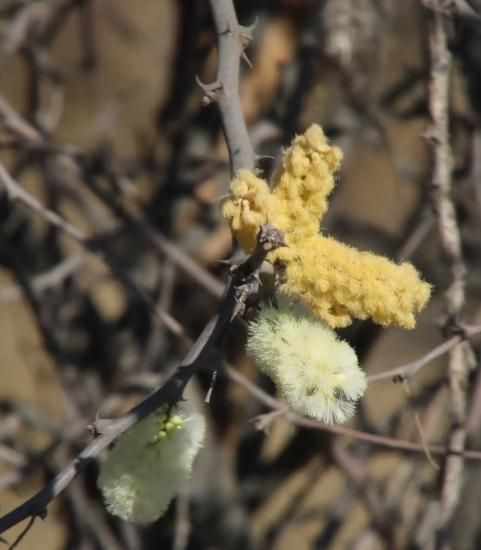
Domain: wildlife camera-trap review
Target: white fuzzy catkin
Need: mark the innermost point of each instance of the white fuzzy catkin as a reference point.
(316, 372)
(149, 464)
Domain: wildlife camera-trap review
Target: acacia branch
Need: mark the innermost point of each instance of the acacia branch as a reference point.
(169, 394)
(232, 41)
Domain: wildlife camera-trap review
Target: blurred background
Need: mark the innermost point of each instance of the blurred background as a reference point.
(102, 121)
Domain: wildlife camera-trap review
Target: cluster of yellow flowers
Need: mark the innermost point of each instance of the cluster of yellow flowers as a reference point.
(316, 372)
(337, 282)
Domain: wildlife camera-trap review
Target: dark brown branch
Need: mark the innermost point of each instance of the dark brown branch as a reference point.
(232, 41)
(170, 393)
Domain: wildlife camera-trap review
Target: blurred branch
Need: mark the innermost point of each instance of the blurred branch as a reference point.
(51, 278)
(410, 369)
(438, 137)
(457, 8)
(281, 410)
(29, 137)
(19, 127)
(17, 193)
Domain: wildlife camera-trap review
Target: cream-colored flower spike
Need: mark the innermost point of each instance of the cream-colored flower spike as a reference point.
(149, 464)
(316, 372)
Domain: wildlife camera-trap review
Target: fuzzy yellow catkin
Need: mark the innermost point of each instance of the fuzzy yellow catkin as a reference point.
(148, 465)
(316, 372)
(336, 281)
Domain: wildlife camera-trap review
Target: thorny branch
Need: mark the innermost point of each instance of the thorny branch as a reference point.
(232, 41)
(170, 393)
(33, 21)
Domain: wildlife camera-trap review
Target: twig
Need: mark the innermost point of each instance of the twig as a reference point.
(182, 523)
(408, 370)
(438, 137)
(24, 131)
(457, 8)
(21, 536)
(49, 279)
(16, 192)
(375, 439)
(419, 426)
(232, 40)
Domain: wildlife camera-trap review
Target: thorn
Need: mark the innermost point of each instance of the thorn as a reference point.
(99, 425)
(247, 30)
(211, 387)
(210, 90)
(247, 60)
(229, 262)
(262, 157)
(431, 136)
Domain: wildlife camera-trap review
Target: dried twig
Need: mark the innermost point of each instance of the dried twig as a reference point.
(408, 370)
(17, 193)
(297, 420)
(438, 137)
(51, 278)
(456, 8)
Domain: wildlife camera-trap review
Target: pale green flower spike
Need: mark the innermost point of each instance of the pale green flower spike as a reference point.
(149, 464)
(315, 371)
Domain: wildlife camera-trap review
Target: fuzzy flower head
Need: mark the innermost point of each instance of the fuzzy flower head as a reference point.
(337, 282)
(149, 464)
(316, 372)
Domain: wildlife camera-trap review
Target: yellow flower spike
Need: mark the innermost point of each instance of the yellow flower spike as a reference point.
(336, 281)
(339, 282)
(247, 207)
(305, 180)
